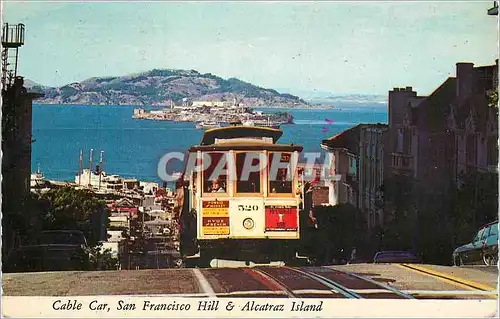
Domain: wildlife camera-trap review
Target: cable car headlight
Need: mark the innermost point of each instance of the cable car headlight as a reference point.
(248, 223)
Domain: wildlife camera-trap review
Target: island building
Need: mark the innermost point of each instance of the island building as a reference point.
(211, 104)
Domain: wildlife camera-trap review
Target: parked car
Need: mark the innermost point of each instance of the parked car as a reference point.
(482, 250)
(52, 250)
(395, 257)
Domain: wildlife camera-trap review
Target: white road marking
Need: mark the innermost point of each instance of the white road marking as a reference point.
(204, 285)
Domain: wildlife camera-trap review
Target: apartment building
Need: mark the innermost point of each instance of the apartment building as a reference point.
(451, 133)
(357, 158)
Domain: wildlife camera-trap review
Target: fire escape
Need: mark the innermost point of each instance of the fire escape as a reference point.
(12, 40)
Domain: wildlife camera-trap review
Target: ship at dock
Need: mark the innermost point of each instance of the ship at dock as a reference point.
(37, 179)
(210, 124)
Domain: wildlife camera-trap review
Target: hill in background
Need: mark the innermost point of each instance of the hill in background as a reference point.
(160, 86)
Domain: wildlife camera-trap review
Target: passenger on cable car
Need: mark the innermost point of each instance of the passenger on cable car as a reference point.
(218, 187)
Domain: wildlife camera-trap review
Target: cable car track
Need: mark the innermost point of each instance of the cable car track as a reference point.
(318, 282)
(332, 285)
(314, 282)
(376, 283)
(270, 281)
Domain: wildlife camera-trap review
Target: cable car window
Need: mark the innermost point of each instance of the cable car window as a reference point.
(215, 175)
(281, 182)
(248, 180)
(494, 230)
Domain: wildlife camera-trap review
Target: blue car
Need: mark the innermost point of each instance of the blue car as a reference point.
(483, 250)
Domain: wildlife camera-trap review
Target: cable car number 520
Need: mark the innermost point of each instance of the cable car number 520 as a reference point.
(247, 208)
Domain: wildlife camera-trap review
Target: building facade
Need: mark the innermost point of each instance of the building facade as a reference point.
(371, 172)
(357, 160)
(315, 175)
(16, 155)
(343, 150)
(451, 133)
(211, 103)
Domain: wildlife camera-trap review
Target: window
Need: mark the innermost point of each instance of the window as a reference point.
(352, 165)
(479, 236)
(248, 179)
(215, 175)
(193, 181)
(493, 230)
(281, 182)
(407, 141)
(470, 148)
(492, 150)
(485, 233)
(399, 145)
(372, 178)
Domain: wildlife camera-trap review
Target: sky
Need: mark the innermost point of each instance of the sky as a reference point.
(338, 47)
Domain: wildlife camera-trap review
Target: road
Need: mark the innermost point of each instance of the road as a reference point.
(358, 281)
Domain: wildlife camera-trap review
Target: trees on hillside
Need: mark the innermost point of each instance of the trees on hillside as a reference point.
(65, 208)
(58, 209)
(69, 208)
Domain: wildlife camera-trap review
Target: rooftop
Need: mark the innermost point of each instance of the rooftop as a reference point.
(239, 132)
(349, 139)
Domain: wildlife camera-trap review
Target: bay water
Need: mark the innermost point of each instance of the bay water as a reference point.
(132, 148)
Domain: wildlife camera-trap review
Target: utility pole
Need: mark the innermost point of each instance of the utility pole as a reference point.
(80, 169)
(101, 164)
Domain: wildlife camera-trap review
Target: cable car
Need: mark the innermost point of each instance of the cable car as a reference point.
(240, 198)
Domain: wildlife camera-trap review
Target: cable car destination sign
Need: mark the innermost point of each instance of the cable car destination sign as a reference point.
(215, 217)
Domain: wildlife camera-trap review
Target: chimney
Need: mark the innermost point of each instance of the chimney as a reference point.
(397, 104)
(465, 78)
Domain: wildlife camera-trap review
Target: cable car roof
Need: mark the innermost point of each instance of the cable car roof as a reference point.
(239, 132)
(247, 147)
